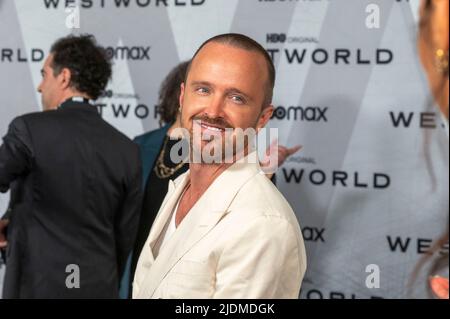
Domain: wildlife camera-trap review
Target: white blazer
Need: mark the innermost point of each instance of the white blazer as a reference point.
(240, 240)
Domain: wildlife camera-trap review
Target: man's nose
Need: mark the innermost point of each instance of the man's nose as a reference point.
(215, 107)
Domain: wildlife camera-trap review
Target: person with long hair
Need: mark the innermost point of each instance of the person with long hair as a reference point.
(433, 46)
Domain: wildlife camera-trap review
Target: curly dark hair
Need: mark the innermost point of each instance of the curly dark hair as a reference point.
(89, 64)
(169, 93)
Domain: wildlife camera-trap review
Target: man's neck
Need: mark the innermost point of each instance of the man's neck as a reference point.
(201, 178)
(203, 175)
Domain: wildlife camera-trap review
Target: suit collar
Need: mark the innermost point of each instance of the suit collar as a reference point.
(204, 216)
(219, 194)
(170, 201)
(148, 139)
(72, 104)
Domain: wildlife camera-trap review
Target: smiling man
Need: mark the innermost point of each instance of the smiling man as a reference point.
(224, 230)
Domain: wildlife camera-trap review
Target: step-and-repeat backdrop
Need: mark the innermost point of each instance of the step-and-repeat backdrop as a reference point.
(370, 186)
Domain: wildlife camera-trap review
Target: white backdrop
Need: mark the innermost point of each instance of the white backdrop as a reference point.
(370, 186)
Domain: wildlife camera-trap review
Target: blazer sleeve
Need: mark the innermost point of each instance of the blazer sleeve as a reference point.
(127, 219)
(261, 261)
(16, 154)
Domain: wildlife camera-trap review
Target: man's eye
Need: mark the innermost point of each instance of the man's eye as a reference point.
(238, 99)
(202, 90)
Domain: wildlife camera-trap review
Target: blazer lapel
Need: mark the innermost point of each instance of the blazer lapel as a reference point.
(165, 212)
(174, 191)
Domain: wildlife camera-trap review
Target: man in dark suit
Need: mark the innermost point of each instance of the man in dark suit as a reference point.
(76, 185)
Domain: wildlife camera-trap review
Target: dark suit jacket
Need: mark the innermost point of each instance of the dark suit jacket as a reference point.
(77, 198)
(150, 144)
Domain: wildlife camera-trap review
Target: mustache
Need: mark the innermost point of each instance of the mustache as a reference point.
(217, 121)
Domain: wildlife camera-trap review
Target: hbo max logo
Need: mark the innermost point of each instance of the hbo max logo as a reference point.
(299, 113)
(276, 38)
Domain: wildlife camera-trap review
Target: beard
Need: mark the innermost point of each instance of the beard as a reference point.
(221, 143)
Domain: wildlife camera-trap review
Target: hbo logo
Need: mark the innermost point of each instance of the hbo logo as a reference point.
(276, 37)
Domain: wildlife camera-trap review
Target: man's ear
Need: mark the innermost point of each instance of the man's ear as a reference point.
(265, 116)
(65, 77)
